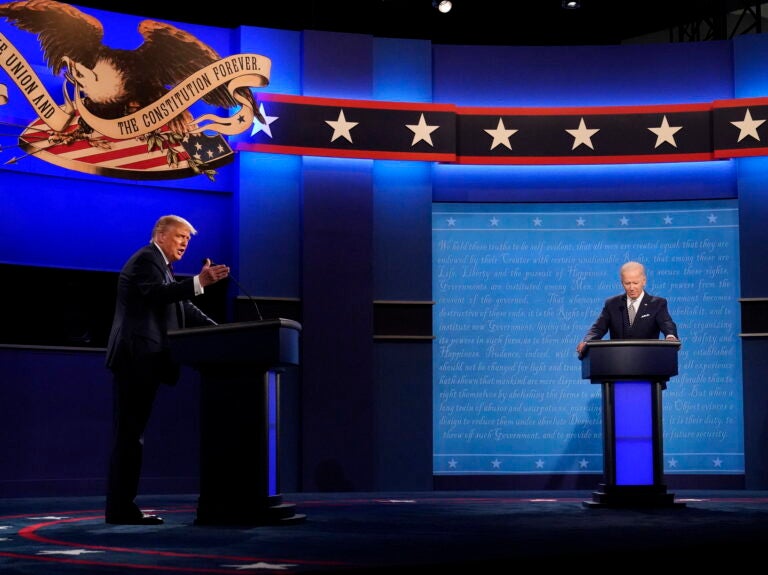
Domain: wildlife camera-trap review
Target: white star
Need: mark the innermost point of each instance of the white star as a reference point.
(581, 222)
(421, 131)
(717, 462)
(4, 527)
(262, 565)
(68, 552)
(48, 518)
(665, 133)
(496, 463)
(500, 135)
(712, 218)
(748, 127)
(667, 219)
(5, 538)
(583, 135)
(341, 127)
(453, 463)
(539, 464)
(624, 220)
(583, 464)
(537, 221)
(451, 222)
(672, 462)
(259, 127)
(494, 221)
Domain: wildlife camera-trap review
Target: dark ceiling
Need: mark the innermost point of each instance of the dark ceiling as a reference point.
(498, 22)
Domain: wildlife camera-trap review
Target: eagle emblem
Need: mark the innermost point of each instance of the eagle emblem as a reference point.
(130, 103)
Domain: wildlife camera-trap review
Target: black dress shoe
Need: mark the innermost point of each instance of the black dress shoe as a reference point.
(135, 520)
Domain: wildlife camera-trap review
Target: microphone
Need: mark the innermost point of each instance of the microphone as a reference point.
(242, 289)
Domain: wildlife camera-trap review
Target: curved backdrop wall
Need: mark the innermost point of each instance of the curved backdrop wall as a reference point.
(336, 236)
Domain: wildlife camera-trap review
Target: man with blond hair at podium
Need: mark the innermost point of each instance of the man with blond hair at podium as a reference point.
(150, 302)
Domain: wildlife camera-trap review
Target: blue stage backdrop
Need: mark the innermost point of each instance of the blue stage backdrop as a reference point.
(517, 285)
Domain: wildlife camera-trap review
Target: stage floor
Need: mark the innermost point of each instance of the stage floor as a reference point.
(451, 532)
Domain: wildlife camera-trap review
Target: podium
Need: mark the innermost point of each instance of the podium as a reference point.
(633, 374)
(240, 366)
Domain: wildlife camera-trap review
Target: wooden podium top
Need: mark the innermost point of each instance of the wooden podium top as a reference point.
(269, 342)
(632, 342)
(629, 360)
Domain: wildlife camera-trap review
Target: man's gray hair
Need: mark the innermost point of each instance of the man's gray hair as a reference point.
(632, 266)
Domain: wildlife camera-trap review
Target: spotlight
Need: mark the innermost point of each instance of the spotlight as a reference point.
(444, 6)
(571, 4)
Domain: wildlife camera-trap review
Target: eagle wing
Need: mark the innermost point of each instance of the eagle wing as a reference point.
(166, 57)
(62, 30)
(169, 55)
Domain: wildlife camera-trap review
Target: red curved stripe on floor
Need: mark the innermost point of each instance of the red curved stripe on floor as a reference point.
(30, 532)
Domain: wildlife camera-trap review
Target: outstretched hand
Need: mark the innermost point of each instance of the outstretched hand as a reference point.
(211, 273)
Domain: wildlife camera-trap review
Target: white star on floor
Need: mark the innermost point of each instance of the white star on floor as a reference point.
(69, 552)
(259, 127)
(262, 565)
(748, 127)
(341, 128)
(500, 135)
(421, 131)
(583, 135)
(665, 133)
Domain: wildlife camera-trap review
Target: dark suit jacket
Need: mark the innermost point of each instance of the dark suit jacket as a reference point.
(149, 303)
(651, 320)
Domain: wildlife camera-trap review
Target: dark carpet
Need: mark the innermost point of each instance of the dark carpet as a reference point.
(441, 532)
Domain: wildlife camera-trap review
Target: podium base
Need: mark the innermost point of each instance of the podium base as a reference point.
(633, 496)
(245, 514)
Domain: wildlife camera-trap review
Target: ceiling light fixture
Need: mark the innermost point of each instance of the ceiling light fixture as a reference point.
(444, 6)
(571, 4)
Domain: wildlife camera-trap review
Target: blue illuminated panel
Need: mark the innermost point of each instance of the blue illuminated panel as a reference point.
(633, 433)
(272, 429)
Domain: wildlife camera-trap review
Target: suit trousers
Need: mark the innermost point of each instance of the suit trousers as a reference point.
(133, 398)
